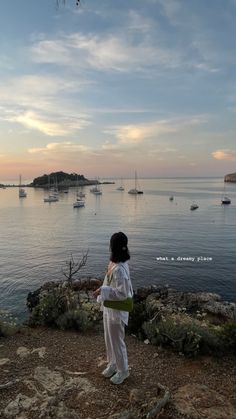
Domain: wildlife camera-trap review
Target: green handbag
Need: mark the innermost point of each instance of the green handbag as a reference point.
(123, 305)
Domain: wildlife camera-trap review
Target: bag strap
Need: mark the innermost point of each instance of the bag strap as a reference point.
(109, 277)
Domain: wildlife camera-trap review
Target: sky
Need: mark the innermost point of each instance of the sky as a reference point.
(111, 87)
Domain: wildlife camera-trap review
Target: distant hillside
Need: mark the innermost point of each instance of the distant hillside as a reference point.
(231, 177)
(61, 178)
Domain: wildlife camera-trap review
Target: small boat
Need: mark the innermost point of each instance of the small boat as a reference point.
(79, 203)
(51, 198)
(135, 190)
(225, 200)
(171, 198)
(194, 206)
(97, 192)
(121, 187)
(22, 193)
(81, 194)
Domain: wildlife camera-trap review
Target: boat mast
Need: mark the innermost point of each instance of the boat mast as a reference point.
(135, 180)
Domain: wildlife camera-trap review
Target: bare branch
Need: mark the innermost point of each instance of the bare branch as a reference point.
(73, 267)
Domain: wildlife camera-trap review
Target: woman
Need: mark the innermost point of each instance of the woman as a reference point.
(116, 286)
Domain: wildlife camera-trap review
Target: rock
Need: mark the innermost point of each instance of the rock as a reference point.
(49, 389)
(126, 414)
(198, 401)
(50, 380)
(40, 351)
(23, 352)
(231, 177)
(221, 309)
(146, 341)
(4, 361)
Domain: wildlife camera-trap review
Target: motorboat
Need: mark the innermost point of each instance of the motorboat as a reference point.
(135, 190)
(78, 204)
(226, 200)
(51, 198)
(194, 206)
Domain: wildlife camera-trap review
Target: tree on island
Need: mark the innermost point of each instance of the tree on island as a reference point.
(59, 176)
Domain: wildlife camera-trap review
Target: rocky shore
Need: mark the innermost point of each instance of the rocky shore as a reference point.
(231, 177)
(181, 355)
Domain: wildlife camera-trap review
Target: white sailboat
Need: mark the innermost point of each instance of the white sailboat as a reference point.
(121, 187)
(79, 202)
(225, 200)
(96, 190)
(52, 197)
(22, 193)
(135, 190)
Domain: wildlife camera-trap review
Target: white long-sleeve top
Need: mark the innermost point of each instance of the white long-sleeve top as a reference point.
(117, 287)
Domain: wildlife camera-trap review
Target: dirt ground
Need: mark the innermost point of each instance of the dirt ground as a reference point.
(83, 355)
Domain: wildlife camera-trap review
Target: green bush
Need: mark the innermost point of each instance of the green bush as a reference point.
(74, 319)
(136, 319)
(7, 329)
(228, 336)
(184, 335)
(51, 306)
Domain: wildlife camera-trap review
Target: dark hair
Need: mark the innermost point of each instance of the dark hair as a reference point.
(119, 248)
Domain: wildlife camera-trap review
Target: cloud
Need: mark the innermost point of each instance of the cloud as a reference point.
(64, 147)
(139, 133)
(105, 52)
(39, 103)
(225, 154)
(62, 126)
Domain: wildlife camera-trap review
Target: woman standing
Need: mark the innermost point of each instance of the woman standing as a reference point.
(117, 287)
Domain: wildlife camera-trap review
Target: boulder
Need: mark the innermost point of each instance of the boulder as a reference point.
(198, 401)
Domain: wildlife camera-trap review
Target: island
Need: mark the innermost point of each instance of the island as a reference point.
(231, 177)
(62, 180)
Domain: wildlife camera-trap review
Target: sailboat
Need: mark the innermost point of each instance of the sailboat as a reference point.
(121, 187)
(22, 193)
(79, 202)
(135, 190)
(51, 197)
(225, 200)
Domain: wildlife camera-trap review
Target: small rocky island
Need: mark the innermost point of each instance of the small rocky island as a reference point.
(61, 180)
(231, 177)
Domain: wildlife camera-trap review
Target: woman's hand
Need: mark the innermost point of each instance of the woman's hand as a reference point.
(97, 292)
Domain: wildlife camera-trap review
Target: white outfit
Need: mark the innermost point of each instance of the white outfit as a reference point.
(114, 321)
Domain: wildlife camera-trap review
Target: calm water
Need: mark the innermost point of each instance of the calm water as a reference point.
(37, 238)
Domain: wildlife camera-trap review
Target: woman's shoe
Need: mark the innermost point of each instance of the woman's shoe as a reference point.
(119, 377)
(109, 371)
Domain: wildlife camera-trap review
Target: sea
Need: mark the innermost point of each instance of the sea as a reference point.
(169, 244)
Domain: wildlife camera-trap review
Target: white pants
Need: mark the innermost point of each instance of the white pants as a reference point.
(114, 333)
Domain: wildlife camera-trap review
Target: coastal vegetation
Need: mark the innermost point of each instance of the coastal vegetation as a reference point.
(59, 178)
(189, 323)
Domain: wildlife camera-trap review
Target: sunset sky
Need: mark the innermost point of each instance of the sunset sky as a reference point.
(112, 86)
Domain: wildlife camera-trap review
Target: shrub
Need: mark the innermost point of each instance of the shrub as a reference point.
(184, 334)
(137, 318)
(7, 329)
(74, 319)
(50, 307)
(228, 335)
